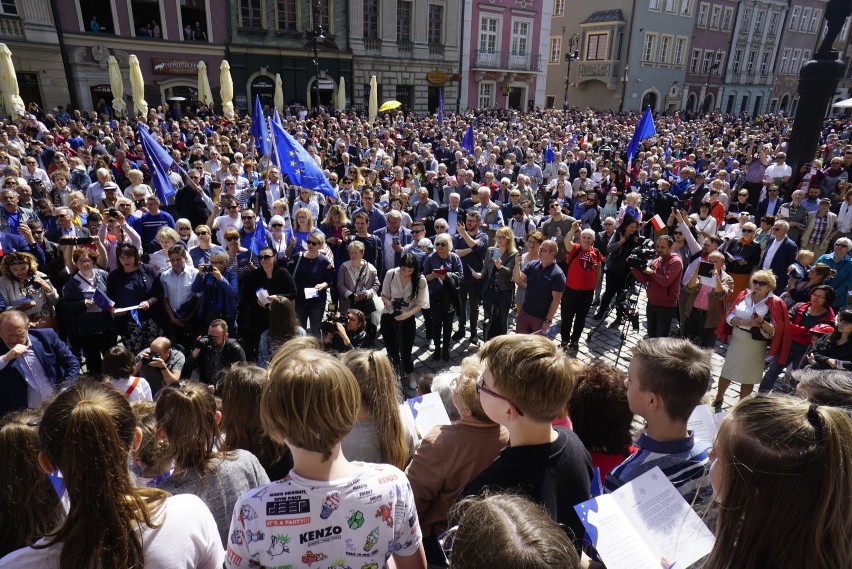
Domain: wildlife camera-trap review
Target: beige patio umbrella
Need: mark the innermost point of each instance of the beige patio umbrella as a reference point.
(137, 87)
(9, 84)
(226, 89)
(278, 97)
(341, 94)
(116, 83)
(373, 106)
(205, 95)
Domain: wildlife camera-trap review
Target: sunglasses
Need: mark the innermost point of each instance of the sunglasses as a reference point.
(759, 283)
(440, 244)
(232, 238)
(233, 207)
(276, 225)
(266, 257)
(230, 183)
(481, 387)
(841, 245)
(748, 230)
(200, 233)
(314, 243)
(247, 217)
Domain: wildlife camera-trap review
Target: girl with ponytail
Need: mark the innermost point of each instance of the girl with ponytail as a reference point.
(87, 433)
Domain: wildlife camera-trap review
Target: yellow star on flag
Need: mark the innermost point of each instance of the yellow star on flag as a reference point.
(292, 153)
(292, 162)
(298, 171)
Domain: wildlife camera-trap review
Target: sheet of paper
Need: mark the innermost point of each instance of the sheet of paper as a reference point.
(665, 521)
(709, 281)
(718, 417)
(428, 411)
(311, 292)
(702, 425)
(784, 212)
(618, 543)
(118, 311)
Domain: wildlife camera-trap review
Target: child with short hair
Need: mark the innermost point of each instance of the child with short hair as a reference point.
(666, 380)
(524, 385)
(328, 509)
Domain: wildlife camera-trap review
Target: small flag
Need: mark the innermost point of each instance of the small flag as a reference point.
(258, 238)
(644, 129)
(596, 488)
(103, 302)
(573, 142)
(657, 222)
(467, 141)
(549, 155)
(135, 315)
(159, 162)
(258, 129)
(440, 106)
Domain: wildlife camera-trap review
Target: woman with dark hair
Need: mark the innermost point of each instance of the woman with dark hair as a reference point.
(801, 291)
(283, 325)
(404, 293)
(118, 368)
(834, 351)
(443, 271)
(253, 310)
(601, 416)
(313, 273)
(242, 386)
(134, 284)
(618, 276)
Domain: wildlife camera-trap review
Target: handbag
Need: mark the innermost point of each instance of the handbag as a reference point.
(757, 332)
(367, 305)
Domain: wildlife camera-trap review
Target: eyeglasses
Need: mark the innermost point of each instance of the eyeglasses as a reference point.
(314, 243)
(230, 183)
(200, 233)
(183, 228)
(232, 238)
(759, 283)
(265, 257)
(233, 207)
(480, 387)
(677, 233)
(440, 244)
(841, 245)
(276, 225)
(247, 217)
(748, 230)
(418, 230)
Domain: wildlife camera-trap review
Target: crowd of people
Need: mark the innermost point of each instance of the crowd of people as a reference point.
(222, 336)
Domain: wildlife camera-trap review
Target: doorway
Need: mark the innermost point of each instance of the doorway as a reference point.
(516, 98)
(649, 100)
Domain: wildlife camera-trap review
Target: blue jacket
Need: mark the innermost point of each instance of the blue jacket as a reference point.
(841, 281)
(784, 257)
(217, 295)
(58, 362)
(15, 243)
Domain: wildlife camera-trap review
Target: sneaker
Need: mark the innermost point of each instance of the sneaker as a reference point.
(717, 406)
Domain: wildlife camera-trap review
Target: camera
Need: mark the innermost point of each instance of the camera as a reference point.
(147, 358)
(398, 304)
(642, 255)
(331, 319)
(204, 268)
(31, 283)
(112, 212)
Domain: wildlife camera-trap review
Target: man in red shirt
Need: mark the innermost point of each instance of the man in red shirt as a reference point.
(583, 266)
(663, 278)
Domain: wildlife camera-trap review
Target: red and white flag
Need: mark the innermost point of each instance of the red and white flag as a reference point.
(657, 222)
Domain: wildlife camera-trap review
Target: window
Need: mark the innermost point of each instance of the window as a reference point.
(773, 23)
(648, 45)
(193, 14)
(251, 13)
(685, 7)
(488, 34)
(727, 18)
(759, 18)
(97, 16)
(8, 8)
(715, 17)
(805, 23)
(815, 20)
(703, 9)
(558, 7)
(670, 6)
(371, 19)
(680, 48)
(752, 57)
(655, 5)
(764, 63)
(746, 17)
(794, 17)
(486, 95)
(555, 49)
(404, 11)
(596, 47)
(436, 24)
(520, 37)
(286, 15)
(665, 46)
(706, 62)
(719, 57)
(738, 57)
(694, 61)
(146, 14)
(795, 63)
(785, 61)
(325, 17)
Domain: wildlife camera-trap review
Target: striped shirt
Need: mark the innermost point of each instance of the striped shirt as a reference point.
(684, 462)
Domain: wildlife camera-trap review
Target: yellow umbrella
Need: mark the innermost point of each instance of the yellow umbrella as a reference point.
(278, 97)
(116, 83)
(205, 95)
(9, 84)
(137, 87)
(374, 99)
(389, 106)
(341, 94)
(226, 89)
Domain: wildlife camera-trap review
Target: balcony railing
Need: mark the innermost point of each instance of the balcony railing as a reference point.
(436, 49)
(506, 60)
(11, 28)
(405, 45)
(373, 42)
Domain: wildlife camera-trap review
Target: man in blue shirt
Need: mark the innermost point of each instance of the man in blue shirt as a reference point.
(151, 222)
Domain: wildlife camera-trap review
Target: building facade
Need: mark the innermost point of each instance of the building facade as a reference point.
(411, 62)
(28, 30)
(504, 45)
(754, 48)
(270, 37)
(660, 36)
(801, 30)
(711, 42)
(168, 37)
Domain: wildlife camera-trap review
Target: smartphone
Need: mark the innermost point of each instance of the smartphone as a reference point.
(495, 254)
(705, 269)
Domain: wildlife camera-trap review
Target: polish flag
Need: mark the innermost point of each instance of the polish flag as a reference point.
(657, 222)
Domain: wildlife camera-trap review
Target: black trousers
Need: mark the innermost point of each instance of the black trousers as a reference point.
(694, 330)
(659, 320)
(575, 307)
(470, 292)
(94, 347)
(399, 341)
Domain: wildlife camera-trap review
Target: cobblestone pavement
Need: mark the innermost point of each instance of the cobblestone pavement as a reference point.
(604, 344)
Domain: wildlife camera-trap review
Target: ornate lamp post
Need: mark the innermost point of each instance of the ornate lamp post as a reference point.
(570, 56)
(317, 34)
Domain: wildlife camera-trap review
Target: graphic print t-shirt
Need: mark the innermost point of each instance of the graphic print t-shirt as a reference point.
(354, 523)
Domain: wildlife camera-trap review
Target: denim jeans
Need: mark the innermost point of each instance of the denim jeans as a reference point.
(311, 310)
(659, 320)
(797, 351)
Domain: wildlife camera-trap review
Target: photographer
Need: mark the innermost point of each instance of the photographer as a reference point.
(405, 293)
(621, 245)
(215, 353)
(217, 287)
(701, 304)
(663, 278)
(340, 337)
(160, 364)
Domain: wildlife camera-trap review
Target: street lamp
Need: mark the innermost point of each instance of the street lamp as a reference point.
(710, 70)
(317, 34)
(570, 56)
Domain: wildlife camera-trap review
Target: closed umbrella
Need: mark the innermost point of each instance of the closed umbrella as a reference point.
(116, 83)
(341, 94)
(226, 89)
(278, 97)
(373, 107)
(205, 95)
(137, 87)
(9, 84)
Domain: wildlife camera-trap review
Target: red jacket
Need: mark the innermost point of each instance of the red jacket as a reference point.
(664, 282)
(800, 334)
(778, 315)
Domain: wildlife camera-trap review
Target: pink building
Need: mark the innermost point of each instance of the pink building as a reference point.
(504, 53)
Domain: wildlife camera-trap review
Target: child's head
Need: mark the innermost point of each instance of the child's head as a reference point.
(153, 457)
(311, 401)
(805, 257)
(782, 459)
(187, 415)
(510, 532)
(673, 370)
(530, 375)
(599, 411)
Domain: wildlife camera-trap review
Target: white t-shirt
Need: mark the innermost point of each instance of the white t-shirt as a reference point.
(187, 538)
(223, 223)
(355, 522)
(142, 391)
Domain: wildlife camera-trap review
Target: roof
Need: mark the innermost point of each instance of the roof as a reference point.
(604, 16)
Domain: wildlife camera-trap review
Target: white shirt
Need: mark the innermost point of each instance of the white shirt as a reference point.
(844, 218)
(178, 286)
(770, 253)
(141, 392)
(39, 388)
(746, 308)
(223, 223)
(776, 170)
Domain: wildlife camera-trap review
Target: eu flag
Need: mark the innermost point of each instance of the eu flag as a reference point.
(549, 155)
(159, 161)
(644, 129)
(258, 238)
(467, 141)
(440, 106)
(298, 164)
(258, 129)
(274, 147)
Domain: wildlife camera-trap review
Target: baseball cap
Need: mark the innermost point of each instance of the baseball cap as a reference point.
(425, 243)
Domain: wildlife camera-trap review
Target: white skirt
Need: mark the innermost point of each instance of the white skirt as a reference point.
(745, 358)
